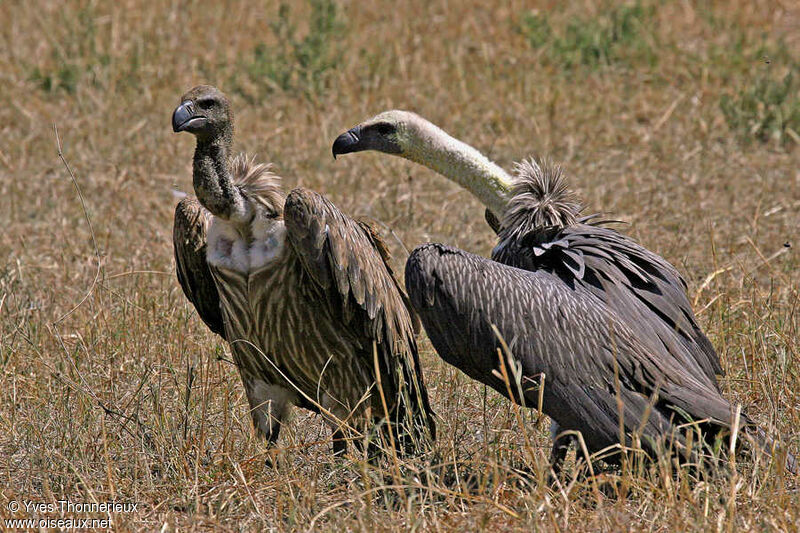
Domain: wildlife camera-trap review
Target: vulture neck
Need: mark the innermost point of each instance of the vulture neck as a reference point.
(212, 180)
(464, 165)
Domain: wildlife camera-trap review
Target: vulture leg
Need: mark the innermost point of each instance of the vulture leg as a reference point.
(269, 405)
(339, 442)
(337, 423)
(559, 450)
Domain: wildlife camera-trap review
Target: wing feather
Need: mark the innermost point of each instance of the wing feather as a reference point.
(640, 286)
(569, 335)
(189, 241)
(347, 259)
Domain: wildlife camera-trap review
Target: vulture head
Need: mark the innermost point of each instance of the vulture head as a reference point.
(392, 132)
(410, 136)
(205, 112)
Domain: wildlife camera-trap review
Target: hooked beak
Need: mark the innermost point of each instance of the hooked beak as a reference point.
(184, 116)
(348, 142)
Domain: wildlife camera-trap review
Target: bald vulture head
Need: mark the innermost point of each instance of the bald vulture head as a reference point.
(206, 113)
(410, 136)
(393, 132)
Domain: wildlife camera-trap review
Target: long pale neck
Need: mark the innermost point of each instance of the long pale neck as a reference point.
(464, 165)
(213, 184)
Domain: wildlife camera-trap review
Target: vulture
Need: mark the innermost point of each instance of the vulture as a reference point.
(602, 318)
(304, 294)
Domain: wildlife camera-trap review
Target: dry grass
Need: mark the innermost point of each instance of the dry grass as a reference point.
(126, 397)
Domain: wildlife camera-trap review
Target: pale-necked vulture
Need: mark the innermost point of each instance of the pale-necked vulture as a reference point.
(571, 296)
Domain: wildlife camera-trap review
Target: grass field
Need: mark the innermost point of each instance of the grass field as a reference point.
(681, 118)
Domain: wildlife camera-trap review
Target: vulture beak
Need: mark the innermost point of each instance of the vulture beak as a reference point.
(348, 142)
(184, 116)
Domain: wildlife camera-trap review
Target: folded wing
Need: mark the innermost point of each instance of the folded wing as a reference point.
(349, 262)
(640, 286)
(189, 241)
(571, 337)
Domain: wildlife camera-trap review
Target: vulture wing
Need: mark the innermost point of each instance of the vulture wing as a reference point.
(642, 288)
(189, 240)
(554, 329)
(349, 263)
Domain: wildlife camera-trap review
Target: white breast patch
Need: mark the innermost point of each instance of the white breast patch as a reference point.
(228, 249)
(269, 238)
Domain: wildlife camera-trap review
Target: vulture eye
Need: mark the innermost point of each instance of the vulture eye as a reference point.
(384, 128)
(205, 103)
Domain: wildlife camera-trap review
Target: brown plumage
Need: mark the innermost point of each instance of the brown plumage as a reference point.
(601, 301)
(304, 294)
(189, 241)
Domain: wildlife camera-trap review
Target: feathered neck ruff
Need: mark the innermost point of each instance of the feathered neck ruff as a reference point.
(258, 184)
(539, 200)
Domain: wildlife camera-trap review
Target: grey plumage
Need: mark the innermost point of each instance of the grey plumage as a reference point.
(540, 198)
(544, 230)
(303, 293)
(579, 296)
(576, 301)
(571, 337)
(575, 341)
